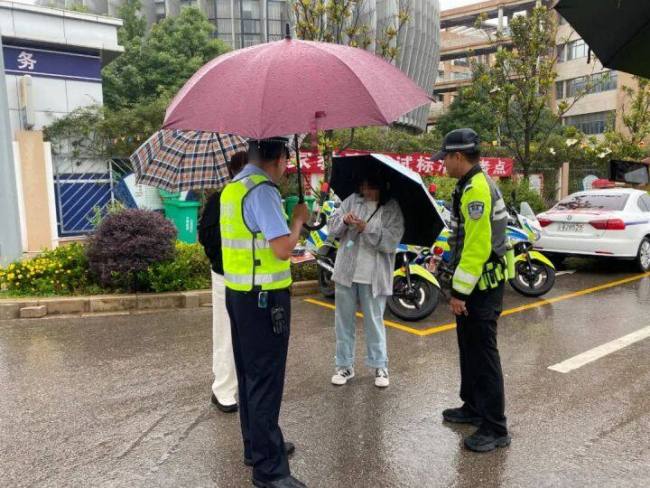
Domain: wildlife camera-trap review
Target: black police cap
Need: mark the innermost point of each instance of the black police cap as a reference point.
(459, 140)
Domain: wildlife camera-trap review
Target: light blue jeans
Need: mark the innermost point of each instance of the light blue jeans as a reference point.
(373, 321)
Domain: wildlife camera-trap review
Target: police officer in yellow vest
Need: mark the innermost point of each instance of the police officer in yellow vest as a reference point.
(256, 246)
(478, 248)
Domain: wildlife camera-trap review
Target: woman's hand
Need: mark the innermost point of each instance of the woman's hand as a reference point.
(349, 218)
(359, 224)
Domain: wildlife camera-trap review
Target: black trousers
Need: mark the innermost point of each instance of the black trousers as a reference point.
(481, 384)
(260, 360)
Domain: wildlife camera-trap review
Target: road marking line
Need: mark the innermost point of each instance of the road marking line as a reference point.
(601, 351)
(567, 272)
(389, 323)
(540, 303)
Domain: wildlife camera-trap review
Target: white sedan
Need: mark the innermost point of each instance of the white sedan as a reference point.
(611, 222)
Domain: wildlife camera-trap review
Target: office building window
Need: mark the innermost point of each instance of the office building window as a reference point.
(605, 81)
(461, 76)
(460, 62)
(576, 50)
(576, 86)
(591, 124)
(600, 82)
(251, 22)
(223, 21)
(277, 20)
(560, 53)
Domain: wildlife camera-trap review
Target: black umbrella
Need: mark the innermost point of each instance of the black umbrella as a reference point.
(617, 31)
(422, 221)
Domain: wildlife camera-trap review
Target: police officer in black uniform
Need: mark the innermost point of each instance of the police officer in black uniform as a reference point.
(478, 247)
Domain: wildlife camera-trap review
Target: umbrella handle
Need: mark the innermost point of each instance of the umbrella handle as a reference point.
(322, 222)
(301, 195)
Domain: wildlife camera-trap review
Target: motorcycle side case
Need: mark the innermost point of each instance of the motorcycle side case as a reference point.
(418, 270)
(535, 256)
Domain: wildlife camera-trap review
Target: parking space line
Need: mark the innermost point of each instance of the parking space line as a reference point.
(601, 351)
(389, 323)
(540, 303)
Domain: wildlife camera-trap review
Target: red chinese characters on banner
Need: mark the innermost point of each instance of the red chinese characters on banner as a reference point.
(312, 162)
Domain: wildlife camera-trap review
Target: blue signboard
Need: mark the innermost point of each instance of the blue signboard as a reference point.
(51, 63)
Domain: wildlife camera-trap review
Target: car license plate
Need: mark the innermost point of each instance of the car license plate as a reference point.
(575, 228)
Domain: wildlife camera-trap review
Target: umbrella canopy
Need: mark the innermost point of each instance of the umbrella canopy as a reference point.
(422, 221)
(290, 87)
(175, 160)
(617, 31)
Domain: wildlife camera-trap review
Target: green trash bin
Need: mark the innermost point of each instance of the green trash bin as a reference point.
(292, 201)
(185, 216)
(165, 195)
(310, 201)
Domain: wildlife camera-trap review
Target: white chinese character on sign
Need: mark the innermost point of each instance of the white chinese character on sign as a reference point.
(424, 166)
(500, 168)
(26, 61)
(405, 161)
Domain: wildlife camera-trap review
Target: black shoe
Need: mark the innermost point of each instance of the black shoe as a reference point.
(484, 440)
(224, 408)
(288, 482)
(288, 446)
(461, 416)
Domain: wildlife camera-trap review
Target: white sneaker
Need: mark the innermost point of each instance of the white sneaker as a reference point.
(381, 378)
(342, 376)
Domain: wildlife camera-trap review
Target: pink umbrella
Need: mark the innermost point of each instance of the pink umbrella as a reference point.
(289, 87)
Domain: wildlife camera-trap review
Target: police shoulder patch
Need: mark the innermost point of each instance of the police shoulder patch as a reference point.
(475, 210)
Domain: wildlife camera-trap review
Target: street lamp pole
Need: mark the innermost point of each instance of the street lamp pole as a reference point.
(10, 239)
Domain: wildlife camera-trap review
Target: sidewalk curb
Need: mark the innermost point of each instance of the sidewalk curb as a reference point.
(106, 305)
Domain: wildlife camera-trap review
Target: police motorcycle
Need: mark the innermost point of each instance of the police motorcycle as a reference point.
(529, 272)
(415, 290)
(534, 273)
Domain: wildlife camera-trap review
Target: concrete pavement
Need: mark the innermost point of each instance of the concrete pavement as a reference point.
(124, 401)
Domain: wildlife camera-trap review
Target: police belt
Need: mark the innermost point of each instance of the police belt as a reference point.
(494, 272)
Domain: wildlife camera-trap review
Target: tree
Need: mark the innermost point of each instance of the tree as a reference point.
(349, 22)
(636, 115)
(159, 63)
(472, 107)
(522, 81)
(139, 84)
(134, 26)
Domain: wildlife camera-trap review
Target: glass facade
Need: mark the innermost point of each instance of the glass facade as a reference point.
(576, 50)
(592, 124)
(597, 83)
(254, 22)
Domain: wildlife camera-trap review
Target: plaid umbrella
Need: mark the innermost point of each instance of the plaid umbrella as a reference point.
(177, 160)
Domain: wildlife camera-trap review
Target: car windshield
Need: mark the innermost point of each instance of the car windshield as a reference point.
(595, 201)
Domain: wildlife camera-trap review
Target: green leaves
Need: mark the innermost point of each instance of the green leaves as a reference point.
(139, 84)
(160, 62)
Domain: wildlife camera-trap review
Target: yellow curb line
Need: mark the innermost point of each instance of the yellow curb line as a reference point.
(541, 303)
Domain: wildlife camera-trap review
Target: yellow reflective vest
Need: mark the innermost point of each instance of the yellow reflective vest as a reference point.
(248, 260)
(479, 219)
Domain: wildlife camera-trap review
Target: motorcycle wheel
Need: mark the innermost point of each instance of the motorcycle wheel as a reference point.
(426, 301)
(533, 282)
(325, 283)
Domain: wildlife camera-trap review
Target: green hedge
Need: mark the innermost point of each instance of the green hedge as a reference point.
(64, 271)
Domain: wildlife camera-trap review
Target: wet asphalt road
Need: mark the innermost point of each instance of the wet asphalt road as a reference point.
(124, 401)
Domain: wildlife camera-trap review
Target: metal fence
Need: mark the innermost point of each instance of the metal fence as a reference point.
(579, 177)
(84, 190)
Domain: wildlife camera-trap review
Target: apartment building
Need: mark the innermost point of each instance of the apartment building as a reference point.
(577, 69)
